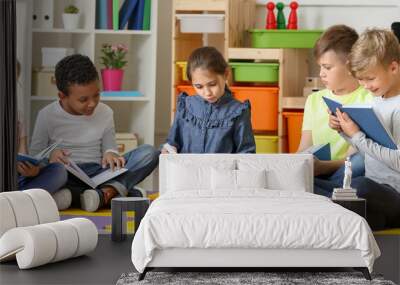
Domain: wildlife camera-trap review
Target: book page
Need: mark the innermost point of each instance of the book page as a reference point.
(74, 169)
(107, 175)
(44, 153)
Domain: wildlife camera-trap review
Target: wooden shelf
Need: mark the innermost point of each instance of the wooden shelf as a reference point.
(293, 102)
(103, 98)
(254, 53)
(123, 32)
(77, 31)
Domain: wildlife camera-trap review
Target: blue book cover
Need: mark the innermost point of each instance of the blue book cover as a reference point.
(322, 151)
(101, 14)
(125, 12)
(27, 158)
(136, 20)
(365, 117)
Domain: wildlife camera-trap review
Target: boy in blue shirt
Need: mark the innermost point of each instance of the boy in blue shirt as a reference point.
(86, 127)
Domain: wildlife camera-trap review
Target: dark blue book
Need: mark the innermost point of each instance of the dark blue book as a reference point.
(366, 119)
(136, 20)
(125, 12)
(21, 157)
(35, 160)
(322, 151)
(101, 14)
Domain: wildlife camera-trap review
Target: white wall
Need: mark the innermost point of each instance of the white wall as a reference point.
(320, 14)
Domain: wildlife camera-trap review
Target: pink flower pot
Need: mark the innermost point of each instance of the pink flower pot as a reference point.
(112, 79)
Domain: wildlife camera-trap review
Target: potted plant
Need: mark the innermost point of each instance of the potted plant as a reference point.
(71, 17)
(113, 61)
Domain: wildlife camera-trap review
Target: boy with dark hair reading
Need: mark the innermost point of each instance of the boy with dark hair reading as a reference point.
(86, 128)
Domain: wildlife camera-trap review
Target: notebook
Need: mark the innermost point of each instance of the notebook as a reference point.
(321, 151)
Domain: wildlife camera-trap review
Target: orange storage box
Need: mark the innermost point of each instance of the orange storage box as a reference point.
(185, 88)
(264, 105)
(294, 125)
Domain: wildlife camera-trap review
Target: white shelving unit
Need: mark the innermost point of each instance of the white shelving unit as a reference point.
(131, 114)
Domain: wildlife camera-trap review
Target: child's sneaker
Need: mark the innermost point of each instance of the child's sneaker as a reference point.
(63, 198)
(91, 200)
(137, 192)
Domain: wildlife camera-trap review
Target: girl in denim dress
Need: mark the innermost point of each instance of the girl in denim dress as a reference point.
(211, 121)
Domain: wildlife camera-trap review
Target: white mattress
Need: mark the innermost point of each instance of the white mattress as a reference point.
(253, 218)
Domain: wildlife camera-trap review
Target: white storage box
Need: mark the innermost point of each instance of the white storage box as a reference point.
(126, 142)
(44, 83)
(312, 84)
(201, 23)
(50, 56)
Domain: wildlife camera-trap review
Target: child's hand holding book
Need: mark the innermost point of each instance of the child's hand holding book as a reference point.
(59, 155)
(346, 124)
(27, 169)
(113, 160)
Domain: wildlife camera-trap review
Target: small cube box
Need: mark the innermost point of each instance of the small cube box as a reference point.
(126, 142)
(44, 83)
(51, 56)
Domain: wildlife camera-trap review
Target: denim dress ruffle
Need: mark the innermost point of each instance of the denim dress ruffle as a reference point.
(220, 127)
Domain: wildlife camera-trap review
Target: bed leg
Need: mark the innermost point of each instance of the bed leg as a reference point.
(143, 274)
(364, 271)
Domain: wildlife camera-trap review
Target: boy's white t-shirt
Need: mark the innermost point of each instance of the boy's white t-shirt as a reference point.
(383, 164)
(87, 138)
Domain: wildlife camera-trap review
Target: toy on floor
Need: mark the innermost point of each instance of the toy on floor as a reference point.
(280, 22)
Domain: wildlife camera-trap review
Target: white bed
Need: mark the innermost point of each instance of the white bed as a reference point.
(226, 210)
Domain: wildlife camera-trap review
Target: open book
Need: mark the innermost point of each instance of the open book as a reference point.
(320, 151)
(365, 117)
(94, 181)
(36, 159)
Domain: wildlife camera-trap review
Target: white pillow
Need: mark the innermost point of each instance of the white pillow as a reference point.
(187, 176)
(251, 179)
(281, 174)
(222, 179)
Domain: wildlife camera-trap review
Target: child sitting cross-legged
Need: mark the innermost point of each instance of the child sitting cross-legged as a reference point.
(86, 128)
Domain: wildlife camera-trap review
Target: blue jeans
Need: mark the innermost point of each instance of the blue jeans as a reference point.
(140, 163)
(357, 167)
(383, 202)
(51, 178)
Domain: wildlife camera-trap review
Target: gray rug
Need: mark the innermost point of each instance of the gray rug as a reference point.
(242, 278)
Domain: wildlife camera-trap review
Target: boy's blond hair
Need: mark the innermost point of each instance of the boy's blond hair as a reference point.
(374, 47)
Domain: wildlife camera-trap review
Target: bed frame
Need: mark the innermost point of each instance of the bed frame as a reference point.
(256, 258)
(251, 258)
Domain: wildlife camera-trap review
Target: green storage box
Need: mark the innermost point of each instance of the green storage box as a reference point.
(255, 72)
(261, 38)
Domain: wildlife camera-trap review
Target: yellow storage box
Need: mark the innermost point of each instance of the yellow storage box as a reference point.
(266, 144)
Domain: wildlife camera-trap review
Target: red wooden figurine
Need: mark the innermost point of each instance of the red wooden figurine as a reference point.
(271, 20)
(292, 20)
